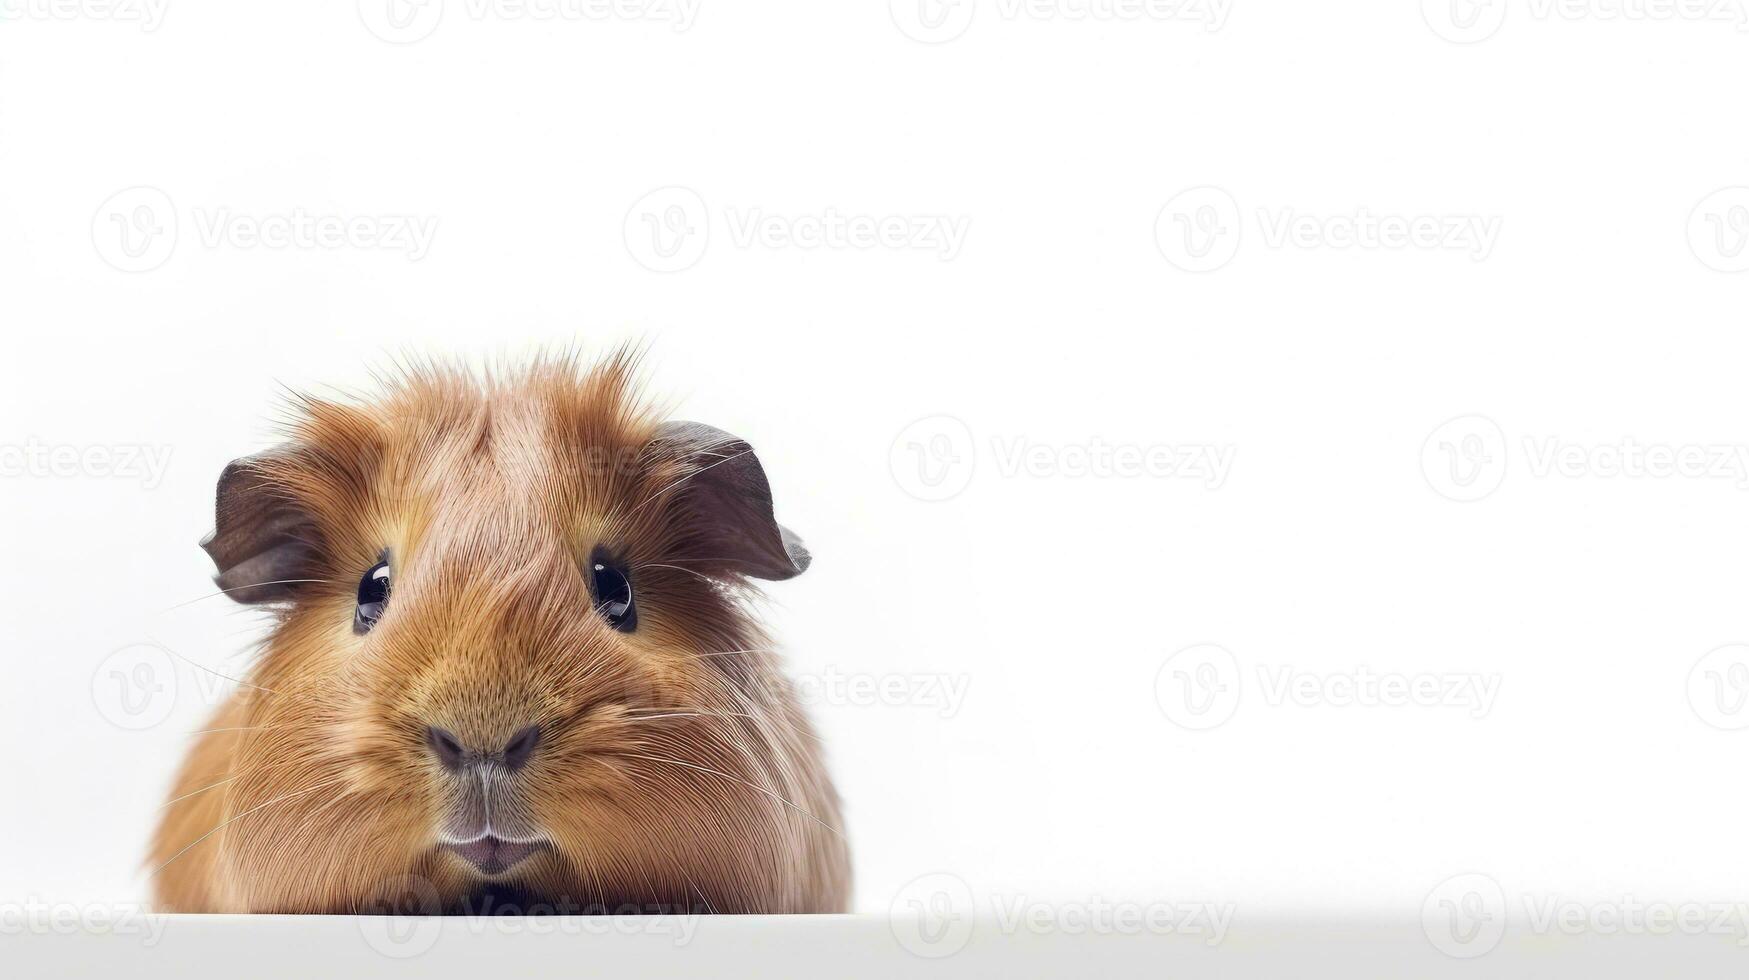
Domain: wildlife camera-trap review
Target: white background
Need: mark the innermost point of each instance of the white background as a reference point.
(1070, 317)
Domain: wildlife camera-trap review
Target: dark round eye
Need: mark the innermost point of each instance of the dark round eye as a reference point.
(613, 595)
(373, 598)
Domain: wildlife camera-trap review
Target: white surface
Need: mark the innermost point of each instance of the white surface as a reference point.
(1583, 601)
(816, 946)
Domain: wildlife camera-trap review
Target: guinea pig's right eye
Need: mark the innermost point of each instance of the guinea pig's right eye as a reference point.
(613, 594)
(373, 598)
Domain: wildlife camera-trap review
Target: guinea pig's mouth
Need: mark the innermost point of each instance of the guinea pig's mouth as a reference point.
(494, 855)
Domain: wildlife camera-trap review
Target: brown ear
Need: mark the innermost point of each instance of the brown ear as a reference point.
(262, 540)
(731, 499)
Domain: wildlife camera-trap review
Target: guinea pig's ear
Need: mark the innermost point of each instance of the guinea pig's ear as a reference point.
(262, 540)
(732, 500)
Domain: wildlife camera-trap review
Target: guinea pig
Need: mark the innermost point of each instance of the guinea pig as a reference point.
(513, 652)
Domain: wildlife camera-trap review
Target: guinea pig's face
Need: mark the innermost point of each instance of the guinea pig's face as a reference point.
(510, 651)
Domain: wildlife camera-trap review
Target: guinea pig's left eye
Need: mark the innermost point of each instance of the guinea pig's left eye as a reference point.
(373, 598)
(613, 594)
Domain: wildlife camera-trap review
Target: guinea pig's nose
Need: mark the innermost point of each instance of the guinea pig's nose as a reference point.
(450, 751)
